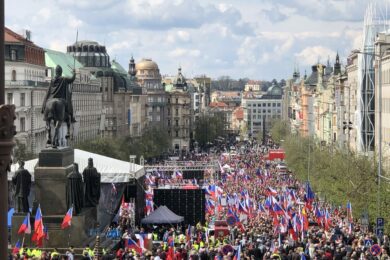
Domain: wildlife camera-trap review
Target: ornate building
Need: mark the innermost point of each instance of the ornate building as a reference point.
(116, 90)
(25, 87)
(148, 76)
(179, 112)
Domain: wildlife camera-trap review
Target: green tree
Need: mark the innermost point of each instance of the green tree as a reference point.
(20, 152)
(208, 128)
(103, 146)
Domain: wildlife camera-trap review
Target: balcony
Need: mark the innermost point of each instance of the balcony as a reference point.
(26, 83)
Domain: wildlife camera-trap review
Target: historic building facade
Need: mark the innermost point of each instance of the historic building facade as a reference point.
(25, 87)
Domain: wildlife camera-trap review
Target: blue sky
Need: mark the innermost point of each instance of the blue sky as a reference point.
(258, 39)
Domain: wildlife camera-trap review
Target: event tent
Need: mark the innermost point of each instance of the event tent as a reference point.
(111, 170)
(162, 215)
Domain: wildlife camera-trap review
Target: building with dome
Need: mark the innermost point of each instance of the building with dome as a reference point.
(261, 108)
(148, 77)
(123, 101)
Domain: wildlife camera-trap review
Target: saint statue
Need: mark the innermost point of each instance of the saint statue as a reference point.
(91, 185)
(57, 105)
(74, 190)
(22, 183)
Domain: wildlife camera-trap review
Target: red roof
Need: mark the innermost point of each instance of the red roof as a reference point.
(239, 113)
(217, 104)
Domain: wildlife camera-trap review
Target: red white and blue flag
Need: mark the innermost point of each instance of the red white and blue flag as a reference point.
(17, 247)
(26, 225)
(67, 221)
(39, 233)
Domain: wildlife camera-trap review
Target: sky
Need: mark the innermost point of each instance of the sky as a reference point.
(256, 39)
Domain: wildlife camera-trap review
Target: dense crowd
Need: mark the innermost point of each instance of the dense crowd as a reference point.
(274, 216)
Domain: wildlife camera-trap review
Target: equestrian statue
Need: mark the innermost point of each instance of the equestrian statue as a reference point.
(57, 106)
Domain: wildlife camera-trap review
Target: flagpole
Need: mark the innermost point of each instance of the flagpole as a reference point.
(24, 235)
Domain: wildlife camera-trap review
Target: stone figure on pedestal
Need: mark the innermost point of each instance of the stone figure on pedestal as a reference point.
(57, 106)
(22, 183)
(75, 190)
(92, 185)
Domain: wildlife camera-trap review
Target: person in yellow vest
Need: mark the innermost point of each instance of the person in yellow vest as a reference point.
(91, 253)
(195, 245)
(54, 253)
(201, 244)
(29, 252)
(21, 251)
(86, 250)
(155, 236)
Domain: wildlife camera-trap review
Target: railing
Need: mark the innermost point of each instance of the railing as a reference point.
(28, 83)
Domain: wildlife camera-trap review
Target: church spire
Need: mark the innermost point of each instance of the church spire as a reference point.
(337, 65)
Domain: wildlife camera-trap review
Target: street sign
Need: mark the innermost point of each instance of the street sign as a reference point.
(368, 243)
(376, 250)
(380, 222)
(379, 232)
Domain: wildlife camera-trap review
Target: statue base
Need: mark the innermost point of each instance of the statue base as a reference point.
(76, 235)
(51, 173)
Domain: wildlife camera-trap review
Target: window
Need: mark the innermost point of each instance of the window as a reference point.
(13, 75)
(176, 112)
(169, 122)
(177, 122)
(22, 124)
(273, 104)
(13, 54)
(177, 133)
(177, 101)
(10, 98)
(269, 104)
(22, 99)
(278, 104)
(169, 101)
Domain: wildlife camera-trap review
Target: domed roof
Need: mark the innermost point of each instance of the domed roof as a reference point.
(274, 90)
(146, 64)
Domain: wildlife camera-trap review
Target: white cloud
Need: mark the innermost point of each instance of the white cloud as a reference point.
(313, 54)
(180, 52)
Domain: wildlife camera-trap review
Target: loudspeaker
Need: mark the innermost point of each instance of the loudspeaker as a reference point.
(187, 203)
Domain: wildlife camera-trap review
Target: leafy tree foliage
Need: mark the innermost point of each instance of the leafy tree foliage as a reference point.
(337, 175)
(208, 128)
(20, 152)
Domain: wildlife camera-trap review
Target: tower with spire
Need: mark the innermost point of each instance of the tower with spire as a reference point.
(132, 71)
(337, 65)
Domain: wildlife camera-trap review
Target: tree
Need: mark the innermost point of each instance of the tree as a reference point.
(103, 146)
(279, 130)
(20, 152)
(154, 142)
(208, 128)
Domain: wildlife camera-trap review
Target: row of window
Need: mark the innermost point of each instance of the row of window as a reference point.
(265, 105)
(10, 99)
(266, 111)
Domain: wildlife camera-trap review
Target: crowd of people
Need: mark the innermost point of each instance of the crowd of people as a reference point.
(271, 215)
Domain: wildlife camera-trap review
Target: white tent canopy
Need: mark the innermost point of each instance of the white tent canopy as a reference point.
(111, 170)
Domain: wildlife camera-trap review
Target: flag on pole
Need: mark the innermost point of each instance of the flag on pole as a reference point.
(67, 219)
(38, 227)
(349, 210)
(26, 225)
(17, 247)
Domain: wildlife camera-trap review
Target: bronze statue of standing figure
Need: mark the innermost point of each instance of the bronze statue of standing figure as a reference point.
(22, 182)
(57, 106)
(91, 185)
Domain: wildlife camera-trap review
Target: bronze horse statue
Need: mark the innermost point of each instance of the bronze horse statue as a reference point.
(57, 107)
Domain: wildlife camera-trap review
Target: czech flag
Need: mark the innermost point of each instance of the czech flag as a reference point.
(38, 227)
(271, 192)
(131, 244)
(349, 210)
(309, 195)
(188, 233)
(17, 247)
(67, 219)
(26, 226)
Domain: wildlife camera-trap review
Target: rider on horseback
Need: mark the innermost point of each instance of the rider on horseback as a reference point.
(57, 106)
(59, 89)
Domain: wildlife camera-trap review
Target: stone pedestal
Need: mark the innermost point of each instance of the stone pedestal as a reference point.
(76, 234)
(51, 173)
